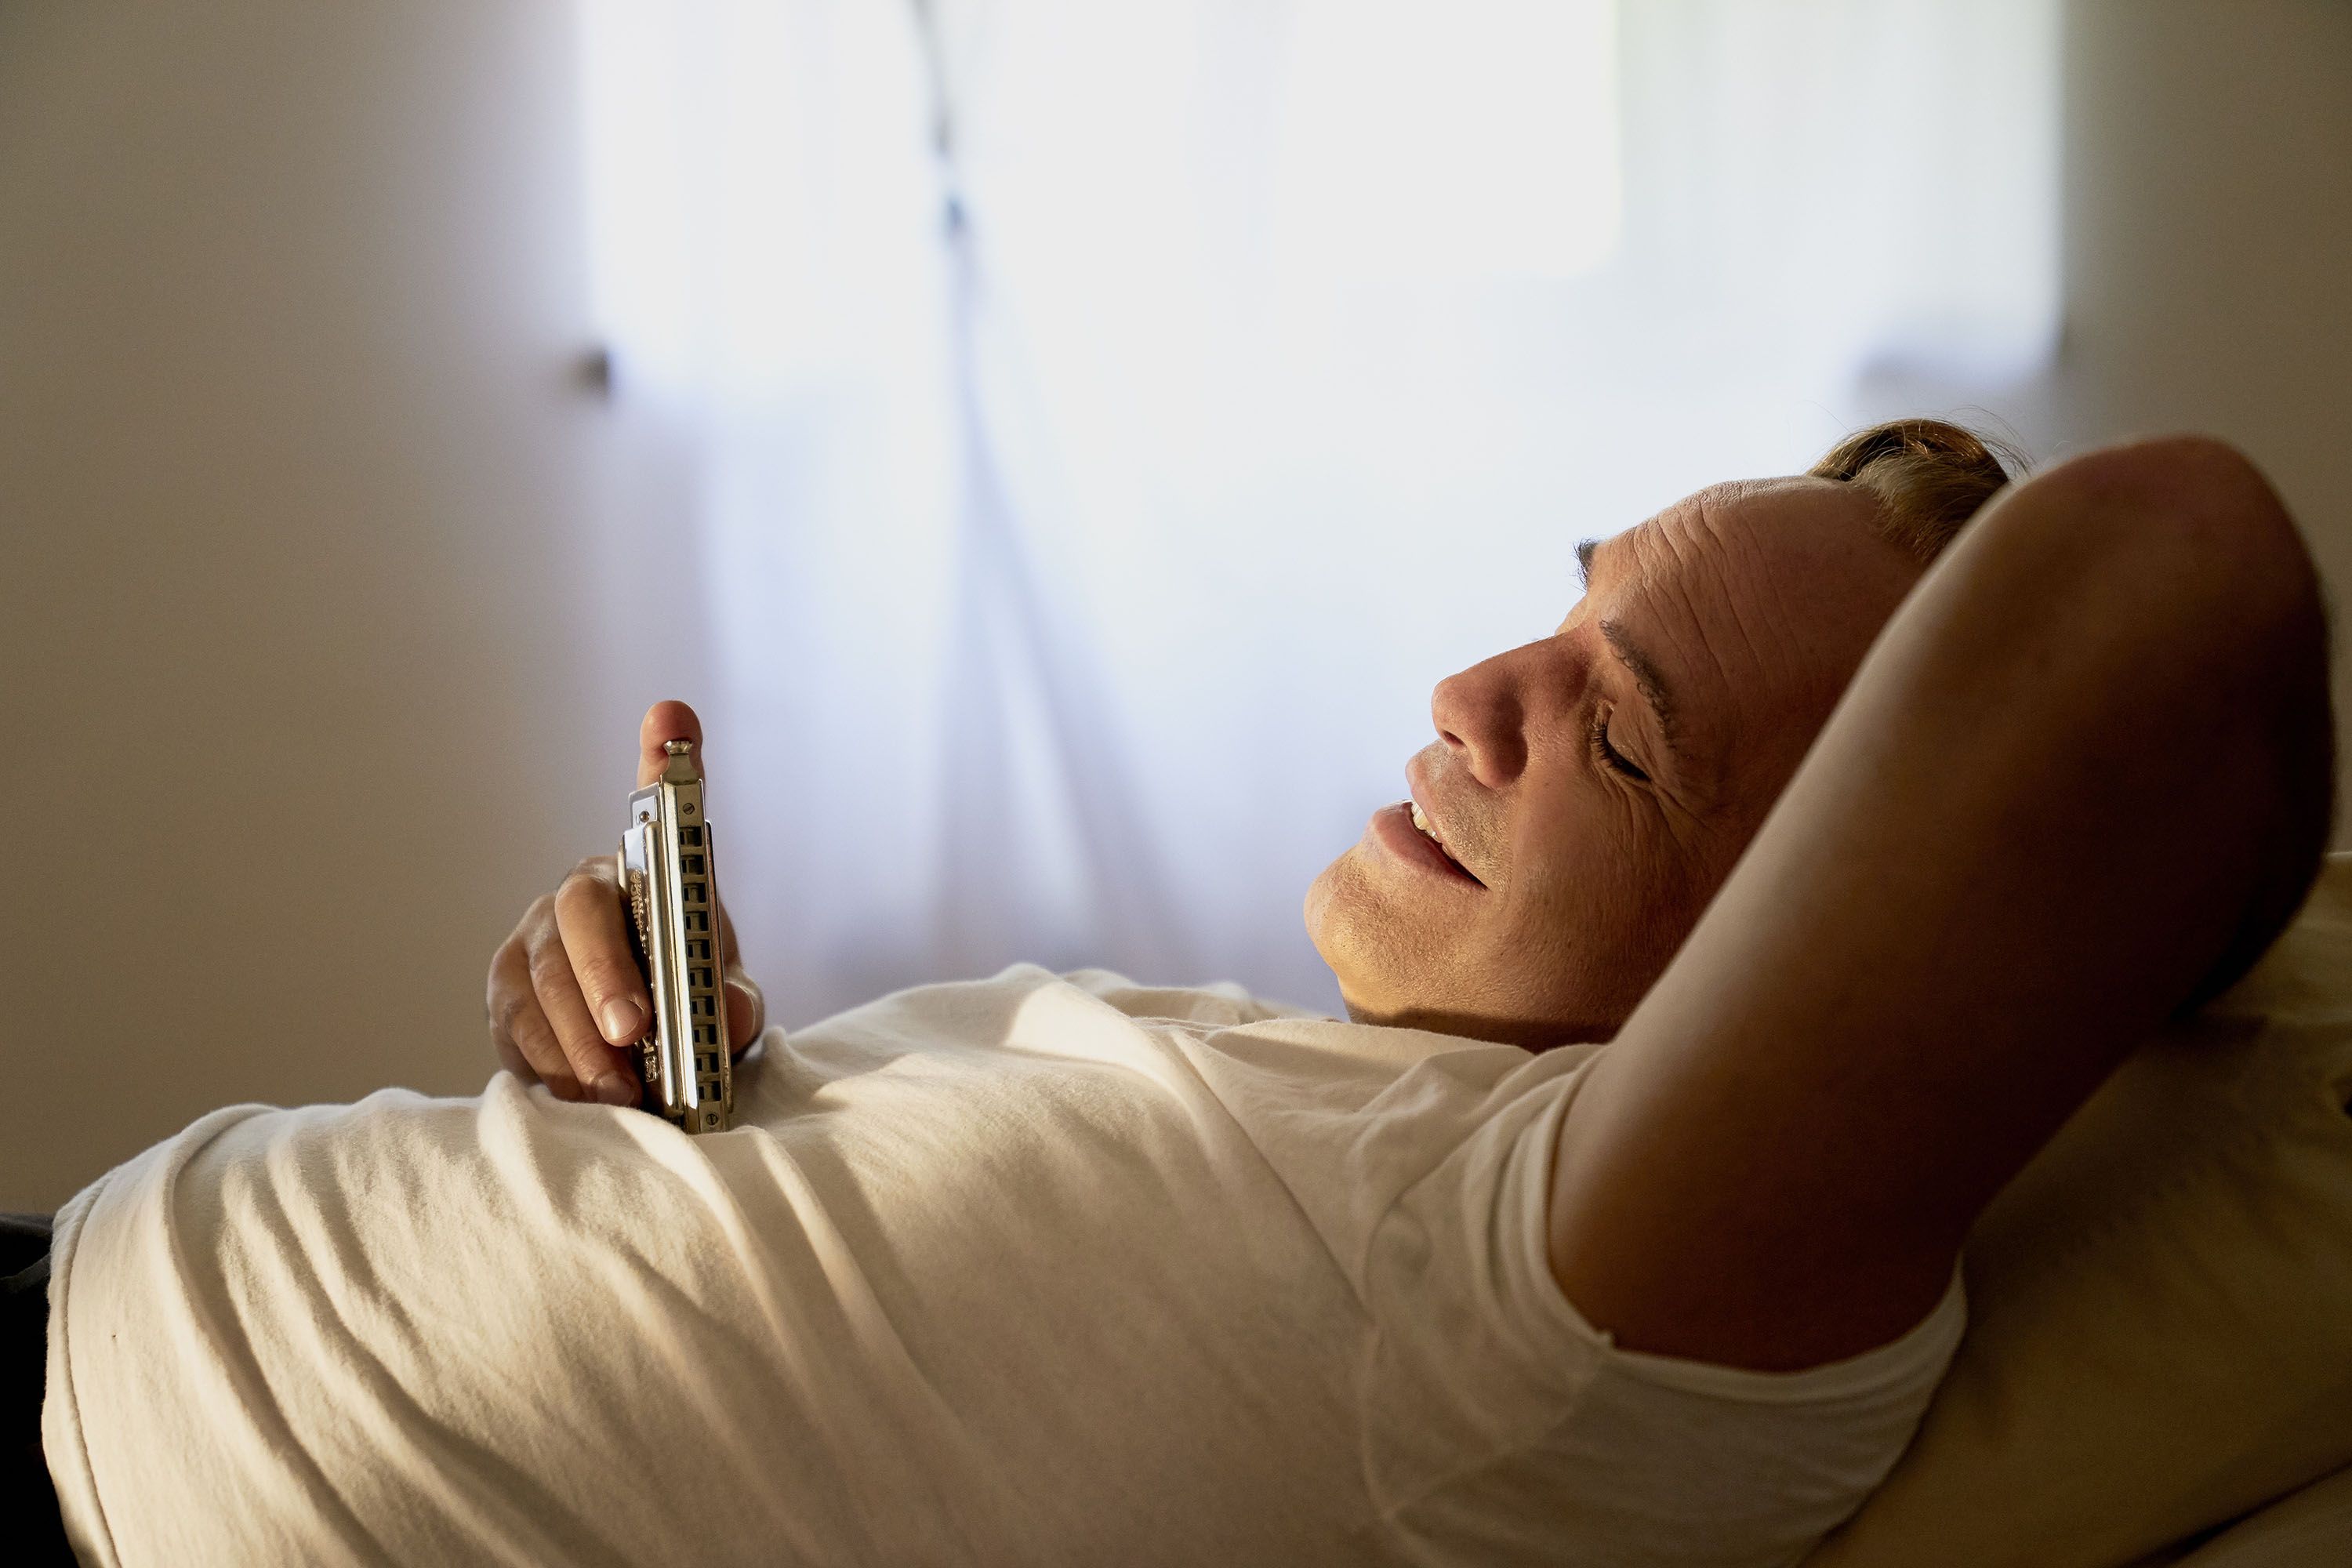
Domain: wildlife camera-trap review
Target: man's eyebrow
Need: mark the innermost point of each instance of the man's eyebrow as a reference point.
(1638, 664)
(1646, 679)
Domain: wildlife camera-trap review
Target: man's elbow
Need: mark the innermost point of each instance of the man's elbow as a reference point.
(2193, 521)
(2224, 569)
(2169, 576)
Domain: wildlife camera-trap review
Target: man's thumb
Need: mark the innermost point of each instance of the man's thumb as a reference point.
(665, 722)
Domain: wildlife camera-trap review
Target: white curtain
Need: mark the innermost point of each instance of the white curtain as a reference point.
(1086, 431)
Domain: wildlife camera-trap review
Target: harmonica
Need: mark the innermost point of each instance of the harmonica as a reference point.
(667, 877)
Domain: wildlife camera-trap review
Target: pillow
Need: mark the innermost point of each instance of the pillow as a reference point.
(2161, 1328)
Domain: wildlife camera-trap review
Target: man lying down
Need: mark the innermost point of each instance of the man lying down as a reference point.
(1738, 942)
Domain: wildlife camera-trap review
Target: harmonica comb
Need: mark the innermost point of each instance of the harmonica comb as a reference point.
(667, 877)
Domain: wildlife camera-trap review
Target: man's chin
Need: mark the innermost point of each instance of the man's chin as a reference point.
(1363, 939)
(1346, 920)
(1393, 975)
(1320, 912)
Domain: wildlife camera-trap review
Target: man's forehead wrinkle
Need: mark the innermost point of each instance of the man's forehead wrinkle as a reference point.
(1751, 630)
(1674, 541)
(1695, 545)
(1699, 555)
(1624, 556)
(1653, 611)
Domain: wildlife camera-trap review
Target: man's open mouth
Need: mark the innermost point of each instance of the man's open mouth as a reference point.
(1429, 831)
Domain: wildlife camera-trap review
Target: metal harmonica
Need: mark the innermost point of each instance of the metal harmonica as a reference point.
(666, 875)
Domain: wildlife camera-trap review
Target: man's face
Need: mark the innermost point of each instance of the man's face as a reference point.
(1593, 789)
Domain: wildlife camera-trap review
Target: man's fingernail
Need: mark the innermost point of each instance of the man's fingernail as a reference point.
(614, 1088)
(624, 1020)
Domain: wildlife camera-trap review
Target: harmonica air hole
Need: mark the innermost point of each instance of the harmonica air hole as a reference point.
(691, 837)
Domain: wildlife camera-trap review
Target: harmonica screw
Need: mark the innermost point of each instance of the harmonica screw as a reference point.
(677, 748)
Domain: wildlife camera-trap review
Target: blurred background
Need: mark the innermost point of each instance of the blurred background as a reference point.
(1056, 446)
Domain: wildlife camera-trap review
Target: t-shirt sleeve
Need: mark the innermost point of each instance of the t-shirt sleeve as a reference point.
(1502, 1427)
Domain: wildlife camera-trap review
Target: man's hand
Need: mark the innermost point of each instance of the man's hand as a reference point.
(565, 993)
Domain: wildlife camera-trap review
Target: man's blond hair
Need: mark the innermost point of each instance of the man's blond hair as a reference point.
(1928, 475)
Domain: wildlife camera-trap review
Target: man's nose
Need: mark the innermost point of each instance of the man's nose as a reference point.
(1481, 714)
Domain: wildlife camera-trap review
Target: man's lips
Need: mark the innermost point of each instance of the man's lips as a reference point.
(1393, 825)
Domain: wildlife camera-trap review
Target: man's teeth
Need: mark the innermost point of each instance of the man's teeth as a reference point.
(1429, 831)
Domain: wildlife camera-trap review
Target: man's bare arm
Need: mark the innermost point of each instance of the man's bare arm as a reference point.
(2062, 786)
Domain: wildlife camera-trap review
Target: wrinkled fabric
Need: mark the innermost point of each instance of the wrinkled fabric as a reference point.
(1026, 1270)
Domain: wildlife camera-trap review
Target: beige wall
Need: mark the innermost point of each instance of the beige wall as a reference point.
(2208, 224)
(287, 462)
(2209, 270)
(291, 480)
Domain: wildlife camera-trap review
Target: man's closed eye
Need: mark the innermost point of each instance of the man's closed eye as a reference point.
(1608, 754)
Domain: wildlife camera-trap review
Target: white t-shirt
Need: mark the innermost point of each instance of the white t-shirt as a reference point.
(1024, 1271)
